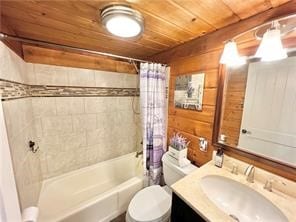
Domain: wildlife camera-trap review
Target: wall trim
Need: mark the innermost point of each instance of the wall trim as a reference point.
(14, 90)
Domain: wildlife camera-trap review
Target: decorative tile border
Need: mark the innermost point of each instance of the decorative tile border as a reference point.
(14, 90)
(64, 91)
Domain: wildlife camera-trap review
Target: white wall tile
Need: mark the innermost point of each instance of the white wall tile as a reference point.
(73, 141)
(81, 77)
(125, 103)
(72, 132)
(92, 154)
(5, 62)
(30, 77)
(20, 126)
(51, 75)
(18, 115)
(69, 105)
(131, 81)
(105, 132)
(38, 128)
(97, 104)
(54, 125)
(60, 161)
(44, 106)
(109, 79)
(103, 128)
(84, 122)
(12, 67)
(95, 136)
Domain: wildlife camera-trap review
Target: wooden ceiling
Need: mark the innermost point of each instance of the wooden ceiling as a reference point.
(168, 23)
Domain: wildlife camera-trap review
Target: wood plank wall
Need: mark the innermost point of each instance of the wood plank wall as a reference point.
(35, 54)
(233, 104)
(202, 55)
(13, 45)
(195, 124)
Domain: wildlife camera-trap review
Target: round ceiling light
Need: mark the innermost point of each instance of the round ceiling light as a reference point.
(122, 21)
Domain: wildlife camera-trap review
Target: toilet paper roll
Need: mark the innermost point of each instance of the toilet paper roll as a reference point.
(30, 214)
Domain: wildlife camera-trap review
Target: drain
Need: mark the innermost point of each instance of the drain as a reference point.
(234, 217)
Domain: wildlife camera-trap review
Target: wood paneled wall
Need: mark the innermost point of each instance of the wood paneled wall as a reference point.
(13, 45)
(233, 104)
(202, 55)
(48, 56)
(195, 124)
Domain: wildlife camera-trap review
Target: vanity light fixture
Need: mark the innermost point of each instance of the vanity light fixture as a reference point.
(230, 55)
(271, 47)
(122, 21)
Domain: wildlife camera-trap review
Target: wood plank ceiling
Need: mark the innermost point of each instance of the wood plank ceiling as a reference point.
(167, 22)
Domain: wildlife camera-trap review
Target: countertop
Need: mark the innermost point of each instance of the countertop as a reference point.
(190, 191)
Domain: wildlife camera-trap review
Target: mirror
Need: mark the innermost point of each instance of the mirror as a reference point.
(258, 110)
(189, 91)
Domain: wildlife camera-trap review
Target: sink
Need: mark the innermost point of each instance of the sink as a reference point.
(239, 201)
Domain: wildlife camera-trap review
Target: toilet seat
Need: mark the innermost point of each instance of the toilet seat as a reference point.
(152, 204)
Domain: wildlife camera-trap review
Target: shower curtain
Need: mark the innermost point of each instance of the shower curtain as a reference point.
(153, 115)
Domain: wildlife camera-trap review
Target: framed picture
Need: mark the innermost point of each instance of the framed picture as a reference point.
(189, 91)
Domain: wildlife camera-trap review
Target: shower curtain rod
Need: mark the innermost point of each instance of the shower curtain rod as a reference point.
(4, 36)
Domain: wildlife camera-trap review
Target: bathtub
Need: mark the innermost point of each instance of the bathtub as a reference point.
(96, 193)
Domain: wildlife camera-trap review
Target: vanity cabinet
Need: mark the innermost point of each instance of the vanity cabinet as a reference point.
(181, 212)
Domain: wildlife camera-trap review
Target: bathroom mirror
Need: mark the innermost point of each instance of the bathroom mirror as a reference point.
(258, 109)
(189, 91)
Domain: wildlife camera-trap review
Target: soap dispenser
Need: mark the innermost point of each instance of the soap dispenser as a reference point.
(219, 158)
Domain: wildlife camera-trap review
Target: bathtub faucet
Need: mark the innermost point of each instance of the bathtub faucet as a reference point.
(138, 153)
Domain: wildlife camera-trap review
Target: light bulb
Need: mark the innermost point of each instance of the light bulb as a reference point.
(121, 20)
(230, 56)
(123, 26)
(271, 48)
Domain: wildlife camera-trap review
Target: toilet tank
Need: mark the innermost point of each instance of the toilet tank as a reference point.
(172, 173)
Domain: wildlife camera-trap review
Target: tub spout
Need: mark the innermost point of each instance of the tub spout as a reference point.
(138, 153)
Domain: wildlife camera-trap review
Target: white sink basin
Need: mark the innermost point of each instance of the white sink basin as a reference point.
(239, 201)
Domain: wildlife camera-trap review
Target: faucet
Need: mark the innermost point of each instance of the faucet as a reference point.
(138, 153)
(268, 185)
(249, 172)
(234, 169)
(269, 182)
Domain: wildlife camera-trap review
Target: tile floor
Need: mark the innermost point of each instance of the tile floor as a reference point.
(120, 218)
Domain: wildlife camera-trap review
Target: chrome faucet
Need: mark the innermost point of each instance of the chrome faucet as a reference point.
(249, 172)
(268, 185)
(138, 153)
(234, 169)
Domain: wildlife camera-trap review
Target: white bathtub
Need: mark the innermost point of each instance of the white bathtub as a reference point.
(96, 193)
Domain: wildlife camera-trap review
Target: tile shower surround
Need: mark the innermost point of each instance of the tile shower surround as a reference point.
(67, 118)
(26, 165)
(75, 132)
(78, 117)
(67, 110)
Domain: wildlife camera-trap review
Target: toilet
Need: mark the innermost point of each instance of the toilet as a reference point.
(153, 203)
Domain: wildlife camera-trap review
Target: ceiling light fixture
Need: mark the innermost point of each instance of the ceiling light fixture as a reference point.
(271, 47)
(122, 21)
(230, 55)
